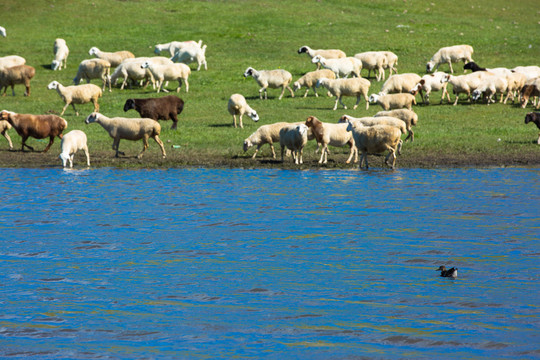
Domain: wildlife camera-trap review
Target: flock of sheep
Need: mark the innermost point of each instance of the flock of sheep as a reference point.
(338, 74)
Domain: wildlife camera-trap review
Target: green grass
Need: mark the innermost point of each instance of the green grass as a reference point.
(266, 35)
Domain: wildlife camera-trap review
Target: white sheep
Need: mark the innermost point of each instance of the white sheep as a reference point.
(265, 134)
(347, 87)
(429, 83)
(3, 31)
(516, 81)
(490, 86)
(448, 55)
(61, 52)
(373, 60)
(4, 127)
(173, 46)
(400, 83)
(72, 142)
(130, 69)
(309, 80)
(190, 54)
(238, 105)
(171, 72)
(293, 137)
(10, 61)
(378, 120)
(391, 61)
(465, 83)
(129, 129)
(531, 72)
(94, 69)
(342, 67)
(393, 101)
(331, 134)
(272, 79)
(408, 116)
(114, 58)
(77, 94)
(326, 53)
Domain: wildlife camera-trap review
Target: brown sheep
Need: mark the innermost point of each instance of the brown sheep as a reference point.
(163, 108)
(534, 117)
(20, 74)
(36, 126)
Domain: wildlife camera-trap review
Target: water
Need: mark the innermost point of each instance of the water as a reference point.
(277, 264)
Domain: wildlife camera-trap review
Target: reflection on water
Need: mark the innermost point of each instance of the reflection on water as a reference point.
(195, 263)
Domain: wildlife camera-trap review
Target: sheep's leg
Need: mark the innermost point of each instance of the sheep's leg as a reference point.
(457, 98)
(257, 150)
(234, 120)
(324, 147)
(364, 154)
(24, 144)
(450, 64)
(282, 92)
(96, 105)
(282, 152)
(307, 90)
(273, 151)
(175, 121)
(27, 85)
(85, 149)
(51, 140)
(6, 135)
(302, 155)
(290, 90)
(240, 121)
(357, 102)
(260, 92)
(70, 158)
(341, 102)
(335, 105)
(392, 154)
(115, 146)
(145, 146)
(367, 100)
(187, 84)
(160, 143)
(351, 153)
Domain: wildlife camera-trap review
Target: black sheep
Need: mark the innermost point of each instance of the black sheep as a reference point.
(473, 66)
(163, 108)
(534, 117)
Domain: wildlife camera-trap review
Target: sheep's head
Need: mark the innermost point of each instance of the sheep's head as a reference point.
(91, 118)
(417, 87)
(4, 114)
(311, 121)
(253, 115)
(320, 82)
(249, 72)
(55, 64)
(93, 51)
(445, 78)
(302, 129)
(344, 119)
(130, 104)
(429, 66)
(145, 65)
(316, 59)
(2, 31)
(65, 158)
(476, 94)
(53, 85)
(296, 86)
(303, 49)
(247, 144)
(373, 98)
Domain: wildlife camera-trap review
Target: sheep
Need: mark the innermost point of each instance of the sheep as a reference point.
(129, 129)
(3, 31)
(61, 52)
(4, 127)
(309, 80)
(273, 79)
(408, 116)
(36, 126)
(400, 83)
(373, 60)
(331, 134)
(114, 58)
(465, 83)
(530, 89)
(238, 105)
(11, 60)
(326, 53)
(163, 108)
(393, 101)
(130, 69)
(169, 72)
(72, 142)
(448, 55)
(501, 71)
(77, 94)
(391, 62)
(346, 87)
(378, 120)
(190, 54)
(429, 83)
(516, 81)
(173, 46)
(491, 85)
(94, 69)
(531, 72)
(293, 137)
(534, 117)
(375, 140)
(20, 74)
(342, 67)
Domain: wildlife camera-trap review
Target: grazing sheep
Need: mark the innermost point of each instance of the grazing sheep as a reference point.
(94, 69)
(530, 89)
(409, 116)
(325, 53)
(173, 46)
(3, 31)
(131, 70)
(114, 58)
(346, 87)
(448, 55)
(429, 83)
(36, 126)
(375, 140)
(129, 129)
(516, 81)
(163, 108)
(61, 52)
(293, 137)
(171, 72)
(4, 127)
(309, 80)
(11, 60)
(531, 72)
(272, 79)
(72, 142)
(391, 61)
(465, 83)
(534, 117)
(393, 101)
(373, 60)
(491, 85)
(342, 67)
(20, 74)
(77, 94)
(187, 55)
(238, 105)
(331, 134)
(400, 83)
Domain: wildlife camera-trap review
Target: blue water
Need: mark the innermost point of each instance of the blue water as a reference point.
(276, 264)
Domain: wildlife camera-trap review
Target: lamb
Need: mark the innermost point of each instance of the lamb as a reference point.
(173, 46)
(534, 117)
(347, 87)
(3, 31)
(448, 55)
(171, 72)
(342, 67)
(293, 137)
(238, 105)
(530, 89)
(429, 83)
(130, 69)
(465, 83)
(331, 134)
(373, 60)
(36, 126)
(408, 116)
(4, 127)
(163, 108)
(393, 101)
(20, 74)
(94, 69)
(77, 94)
(114, 58)
(326, 53)
(273, 79)
(402, 83)
(190, 54)
(375, 140)
(11, 60)
(72, 142)
(378, 120)
(309, 80)
(491, 85)
(129, 129)
(61, 52)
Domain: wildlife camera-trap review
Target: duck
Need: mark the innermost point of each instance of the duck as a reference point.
(447, 273)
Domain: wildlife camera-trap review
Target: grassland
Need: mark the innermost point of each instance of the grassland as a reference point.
(266, 35)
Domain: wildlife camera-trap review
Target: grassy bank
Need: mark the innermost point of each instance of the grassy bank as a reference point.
(267, 35)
